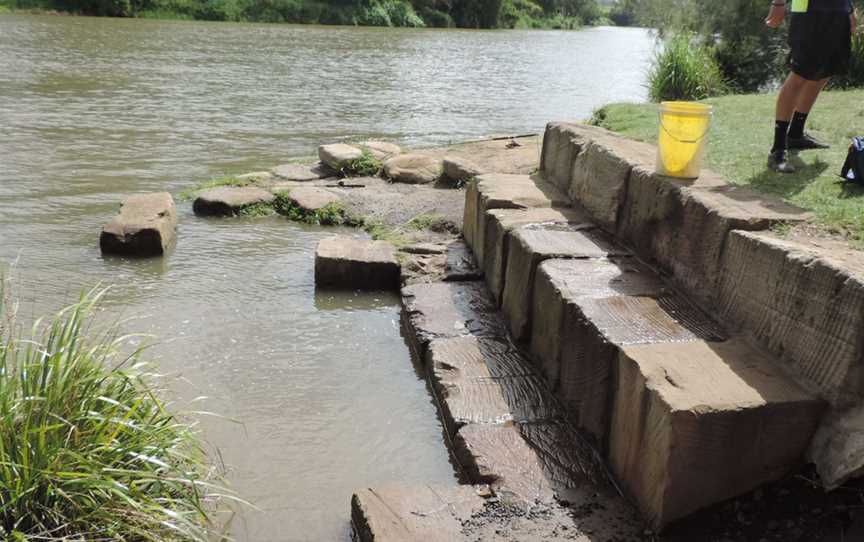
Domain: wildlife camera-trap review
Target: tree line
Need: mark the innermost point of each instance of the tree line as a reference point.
(407, 13)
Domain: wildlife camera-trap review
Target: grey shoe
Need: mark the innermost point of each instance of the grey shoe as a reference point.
(779, 161)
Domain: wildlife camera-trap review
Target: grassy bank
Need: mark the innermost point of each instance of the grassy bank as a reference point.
(741, 135)
(88, 451)
(551, 14)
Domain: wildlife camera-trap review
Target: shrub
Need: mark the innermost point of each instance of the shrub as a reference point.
(855, 76)
(438, 19)
(684, 70)
(87, 449)
(365, 166)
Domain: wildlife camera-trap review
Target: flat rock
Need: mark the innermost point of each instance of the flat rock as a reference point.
(479, 380)
(684, 225)
(803, 304)
(381, 150)
(501, 191)
(256, 177)
(229, 200)
(338, 155)
(356, 263)
(695, 423)
(145, 226)
(530, 245)
(302, 172)
(311, 199)
(449, 309)
(426, 249)
(460, 169)
(460, 264)
(837, 449)
(413, 169)
(499, 224)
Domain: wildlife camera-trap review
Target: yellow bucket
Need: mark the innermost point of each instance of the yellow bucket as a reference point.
(683, 129)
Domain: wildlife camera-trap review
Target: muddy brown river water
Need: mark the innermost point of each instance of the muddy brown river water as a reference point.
(319, 388)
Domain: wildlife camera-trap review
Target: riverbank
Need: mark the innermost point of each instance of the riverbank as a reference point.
(507, 14)
(738, 143)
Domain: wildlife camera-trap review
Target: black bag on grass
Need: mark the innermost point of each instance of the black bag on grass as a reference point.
(853, 167)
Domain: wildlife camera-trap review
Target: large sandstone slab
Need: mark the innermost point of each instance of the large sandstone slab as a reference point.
(312, 198)
(600, 172)
(837, 449)
(381, 150)
(804, 304)
(229, 200)
(302, 172)
(145, 226)
(683, 225)
(530, 245)
(695, 423)
(495, 236)
(338, 155)
(356, 263)
(449, 309)
(413, 168)
(502, 191)
(485, 380)
(460, 169)
(562, 142)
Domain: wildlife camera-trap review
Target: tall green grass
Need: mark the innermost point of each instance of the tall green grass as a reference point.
(854, 78)
(88, 450)
(684, 70)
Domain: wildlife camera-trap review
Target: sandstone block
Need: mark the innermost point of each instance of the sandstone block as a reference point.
(449, 309)
(495, 238)
(600, 172)
(413, 169)
(837, 449)
(381, 150)
(311, 199)
(229, 200)
(804, 303)
(356, 263)
(695, 423)
(562, 142)
(503, 191)
(479, 380)
(338, 155)
(460, 263)
(683, 225)
(302, 172)
(414, 513)
(145, 226)
(530, 245)
(460, 169)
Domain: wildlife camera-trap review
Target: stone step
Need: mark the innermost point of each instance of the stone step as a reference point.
(145, 226)
(449, 309)
(348, 262)
(504, 191)
(530, 245)
(499, 224)
(405, 513)
(694, 423)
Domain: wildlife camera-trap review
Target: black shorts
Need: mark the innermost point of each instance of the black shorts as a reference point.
(820, 44)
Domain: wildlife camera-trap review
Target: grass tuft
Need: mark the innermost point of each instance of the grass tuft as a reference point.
(365, 166)
(432, 222)
(88, 450)
(190, 193)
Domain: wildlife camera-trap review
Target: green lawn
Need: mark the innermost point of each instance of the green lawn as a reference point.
(741, 135)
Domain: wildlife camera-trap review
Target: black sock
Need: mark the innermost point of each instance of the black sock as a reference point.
(781, 127)
(796, 127)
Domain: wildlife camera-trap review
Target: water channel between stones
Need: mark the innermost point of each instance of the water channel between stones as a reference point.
(316, 391)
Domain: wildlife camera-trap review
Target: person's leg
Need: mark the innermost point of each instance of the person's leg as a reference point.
(787, 101)
(806, 98)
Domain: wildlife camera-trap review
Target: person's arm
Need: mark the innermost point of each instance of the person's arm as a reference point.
(776, 14)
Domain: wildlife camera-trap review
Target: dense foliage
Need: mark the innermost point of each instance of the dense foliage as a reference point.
(684, 70)
(416, 13)
(87, 450)
(750, 55)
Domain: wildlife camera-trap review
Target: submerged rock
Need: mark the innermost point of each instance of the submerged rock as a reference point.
(144, 227)
(311, 199)
(413, 169)
(229, 200)
(338, 155)
(302, 172)
(381, 150)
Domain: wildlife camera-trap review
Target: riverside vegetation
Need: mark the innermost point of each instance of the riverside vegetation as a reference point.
(88, 450)
(396, 13)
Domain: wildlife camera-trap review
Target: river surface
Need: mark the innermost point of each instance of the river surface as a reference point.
(317, 390)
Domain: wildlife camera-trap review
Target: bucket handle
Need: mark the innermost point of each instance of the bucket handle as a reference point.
(697, 140)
